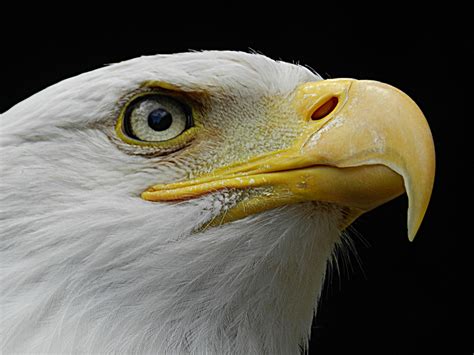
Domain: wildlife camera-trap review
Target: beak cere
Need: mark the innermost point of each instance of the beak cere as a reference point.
(364, 143)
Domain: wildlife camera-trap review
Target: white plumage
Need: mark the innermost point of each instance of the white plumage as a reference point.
(89, 267)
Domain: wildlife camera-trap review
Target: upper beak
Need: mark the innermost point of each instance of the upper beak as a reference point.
(364, 143)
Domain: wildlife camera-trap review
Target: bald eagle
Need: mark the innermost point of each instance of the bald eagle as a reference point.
(191, 203)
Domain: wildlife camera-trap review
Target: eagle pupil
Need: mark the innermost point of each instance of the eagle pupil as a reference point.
(159, 119)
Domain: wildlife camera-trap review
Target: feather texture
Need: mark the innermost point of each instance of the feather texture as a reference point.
(245, 287)
(89, 267)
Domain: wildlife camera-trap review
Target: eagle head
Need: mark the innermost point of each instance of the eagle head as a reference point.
(190, 203)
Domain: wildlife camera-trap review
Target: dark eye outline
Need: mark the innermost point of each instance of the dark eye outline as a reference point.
(127, 126)
(173, 144)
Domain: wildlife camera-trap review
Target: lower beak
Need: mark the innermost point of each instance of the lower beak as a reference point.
(364, 143)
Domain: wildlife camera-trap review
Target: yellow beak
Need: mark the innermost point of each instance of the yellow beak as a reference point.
(364, 144)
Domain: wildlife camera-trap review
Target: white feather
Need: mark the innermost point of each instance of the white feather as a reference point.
(89, 267)
(243, 288)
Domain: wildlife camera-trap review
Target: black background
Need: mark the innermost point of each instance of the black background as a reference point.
(402, 297)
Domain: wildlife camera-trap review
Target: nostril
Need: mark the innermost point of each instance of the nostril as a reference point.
(325, 109)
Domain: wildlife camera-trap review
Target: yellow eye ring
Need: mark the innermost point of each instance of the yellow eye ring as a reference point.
(124, 132)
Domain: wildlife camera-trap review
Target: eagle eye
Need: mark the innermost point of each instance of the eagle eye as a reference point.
(155, 118)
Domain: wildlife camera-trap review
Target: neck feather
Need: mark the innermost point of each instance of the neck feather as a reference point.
(245, 287)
